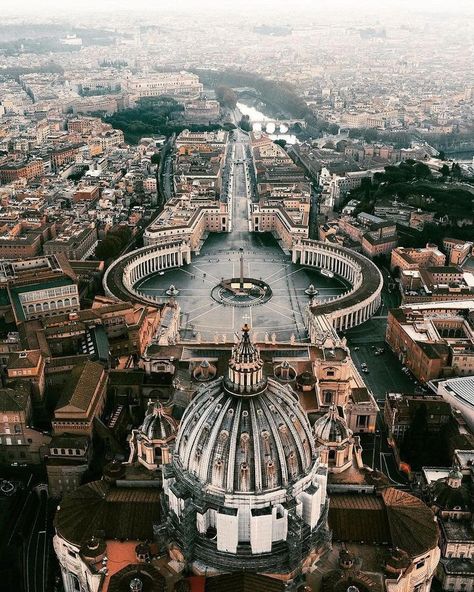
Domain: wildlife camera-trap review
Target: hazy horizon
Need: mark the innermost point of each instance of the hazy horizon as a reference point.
(315, 7)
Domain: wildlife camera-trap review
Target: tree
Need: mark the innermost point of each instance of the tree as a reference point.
(444, 170)
(441, 155)
(155, 158)
(226, 96)
(281, 142)
(422, 170)
(108, 248)
(245, 123)
(456, 170)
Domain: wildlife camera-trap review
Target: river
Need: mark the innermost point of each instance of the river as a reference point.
(271, 128)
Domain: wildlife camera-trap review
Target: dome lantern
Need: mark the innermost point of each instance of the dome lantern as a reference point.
(245, 374)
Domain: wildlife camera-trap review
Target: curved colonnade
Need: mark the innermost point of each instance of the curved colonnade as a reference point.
(347, 310)
(122, 276)
(364, 297)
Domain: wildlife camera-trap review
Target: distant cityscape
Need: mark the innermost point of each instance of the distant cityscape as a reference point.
(237, 299)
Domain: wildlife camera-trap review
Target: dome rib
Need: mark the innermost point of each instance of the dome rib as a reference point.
(209, 460)
(258, 484)
(282, 461)
(233, 446)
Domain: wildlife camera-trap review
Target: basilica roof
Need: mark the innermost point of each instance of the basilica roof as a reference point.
(394, 518)
(113, 512)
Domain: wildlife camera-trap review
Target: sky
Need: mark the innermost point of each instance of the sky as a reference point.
(289, 6)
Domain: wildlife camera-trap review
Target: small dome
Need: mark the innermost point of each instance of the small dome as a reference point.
(455, 475)
(204, 372)
(450, 494)
(306, 379)
(157, 425)
(331, 428)
(285, 372)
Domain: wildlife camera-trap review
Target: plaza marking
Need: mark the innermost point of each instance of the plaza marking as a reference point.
(287, 275)
(280, 313)
(276, 272)
(205, 312)
(207, 274)
(286, 308)
(208, 304)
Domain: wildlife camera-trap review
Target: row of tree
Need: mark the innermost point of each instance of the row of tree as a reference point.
(152, 116)
(114, 242)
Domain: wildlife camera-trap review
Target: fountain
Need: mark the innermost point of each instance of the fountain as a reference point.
(172, 291)
(311, 291)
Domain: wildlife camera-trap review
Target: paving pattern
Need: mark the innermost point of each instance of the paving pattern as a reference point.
(219, 258)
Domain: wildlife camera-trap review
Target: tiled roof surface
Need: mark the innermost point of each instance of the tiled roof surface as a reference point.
(101, 509)
(14, 399)
(81, 386)
(243, 582)
(396, 518)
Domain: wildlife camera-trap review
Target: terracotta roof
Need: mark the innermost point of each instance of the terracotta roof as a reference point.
(102, 509)
(358, 518)
(360, 395)
(243, 582)
(395, 518)
(81, 386)
(24, 359)
(14, 399)
(412, 523)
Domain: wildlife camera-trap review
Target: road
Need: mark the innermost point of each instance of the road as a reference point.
(240, 198)
(37, 545)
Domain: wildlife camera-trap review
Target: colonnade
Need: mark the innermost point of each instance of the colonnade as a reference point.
(133, 267)
(356, 305)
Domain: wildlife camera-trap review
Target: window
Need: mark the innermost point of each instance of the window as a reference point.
(420, 564)
(328, 397)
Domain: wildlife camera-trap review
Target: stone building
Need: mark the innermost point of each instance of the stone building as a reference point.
(19, 443)
(68, 459)
(450, 494)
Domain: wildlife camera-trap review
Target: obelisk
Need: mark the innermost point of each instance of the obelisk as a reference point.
(241, 268)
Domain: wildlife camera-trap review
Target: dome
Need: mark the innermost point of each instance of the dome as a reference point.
(449, 498)
(245, 433)
(157, 425)
(306, 379)
(331, 428)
